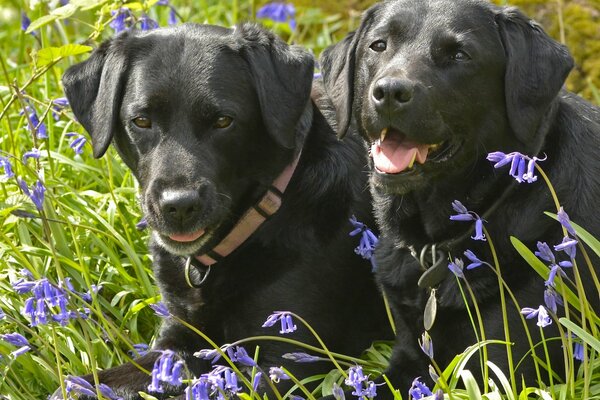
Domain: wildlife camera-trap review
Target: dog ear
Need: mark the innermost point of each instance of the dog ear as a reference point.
(536, 69)
(282, 77)
(95, 89)
(338, 65)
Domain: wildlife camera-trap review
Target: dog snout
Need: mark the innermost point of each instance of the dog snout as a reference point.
(179, 205)
(390, 92)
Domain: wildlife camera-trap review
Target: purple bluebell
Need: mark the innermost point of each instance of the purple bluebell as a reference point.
(107, 392)
(77, 143)
(79, 386)
(552, 299)
(278, 12)
(166, 369)
(301, 357)
(568, 245)
(360, 383)
(557, 269)
(466, 215)
(139, 350)
(277, 374)
(479, 235)
(122, 19)
(338, 392)
(578, 351)
(25, 21)
(368, 241)
(58, 105)
(36, 126)
(2, 314)
(36, 194)
(541, 313)
(426, 344)
(231, 382)
(33, 153)
(172, 20)
(208, 354)
(18, 340)
(522, 167)
(256, 381)
(147, 23)
(545, 253)
(565, 221)
(317, 75)
(459, 207)
(456, 267)
(240, 355)
(198, 389)
(475, 261)
(433, 374)
(7, 166)
(142, 224)
(160, 309)
(419, 390)
(287, 323)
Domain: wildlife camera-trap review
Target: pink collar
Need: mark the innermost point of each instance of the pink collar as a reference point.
(252, 219)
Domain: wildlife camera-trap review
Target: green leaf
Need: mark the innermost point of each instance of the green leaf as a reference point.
(146, 396)
(48, 55)
(581, 333)
(503, 380)
(470, 384)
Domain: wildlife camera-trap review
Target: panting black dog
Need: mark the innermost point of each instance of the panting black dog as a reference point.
(244, 184)
(434, 86)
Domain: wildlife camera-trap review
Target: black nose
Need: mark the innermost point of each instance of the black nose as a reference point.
(392, 92)
(179, 205)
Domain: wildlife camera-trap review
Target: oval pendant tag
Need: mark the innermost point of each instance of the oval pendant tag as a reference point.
(430, 311)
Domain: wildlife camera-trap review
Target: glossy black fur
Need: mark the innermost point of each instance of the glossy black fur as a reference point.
(301, 259)
(506, 96)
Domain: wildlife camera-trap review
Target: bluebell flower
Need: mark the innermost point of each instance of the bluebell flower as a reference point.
(419, 390)
(456, 267)
(208, 354)
(565, 221)
(172, 20)
(142, 224)
(166, 369)
(479, 235)
(368, 241)
(277, 374)
(361, 384)
(433, 374)
(36, 126)
(122, 19)
(475, 261)
(552, 299)
(287, 323)
(301, 357)
(256, 381)
(25, 21)
(198, 389)
(231, 383)
(139, 350)
(545, 253)
(240, 355)
(2, 314)
(426, 344)
(338, 392)
(147, 23)
(317, 75)
(36, 194)
(278, 12)
(541, 313)
(77, 143)
(18, 340)
(58, 105)
(466, 215)
(568, 245)
(33, 153)
(107, 392)
(160, 309)
(7, 166)
(79, 386)
(522, 167)
(578, 351)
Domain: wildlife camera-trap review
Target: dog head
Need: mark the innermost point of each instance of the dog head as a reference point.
(434, 85)
(204, 117)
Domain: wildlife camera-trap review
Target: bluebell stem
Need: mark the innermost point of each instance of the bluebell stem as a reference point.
(565, 221)
(287, 323)
(33, 153)
(77, 143)
(419, 390)
(368, 241)
(568, 245)
(426, 344)
(475, 261)
(541, 313)
(301, 357)
(522, 167)
(7, 166)
(160, 309)
(18, 340)
(79, 386)
(277, 374)
(278, 12)
(456, 267)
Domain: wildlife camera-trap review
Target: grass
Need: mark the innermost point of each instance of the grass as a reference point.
(86, 229)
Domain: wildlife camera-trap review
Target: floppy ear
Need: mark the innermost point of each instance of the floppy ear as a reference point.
(338, 63)
(536, 69)
(282, 77)
(95, 89)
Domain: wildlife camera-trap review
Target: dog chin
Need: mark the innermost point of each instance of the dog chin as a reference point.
(181, 248)
(398, 184)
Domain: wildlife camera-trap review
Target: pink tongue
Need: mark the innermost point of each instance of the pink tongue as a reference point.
(393, 157)
(187, 237)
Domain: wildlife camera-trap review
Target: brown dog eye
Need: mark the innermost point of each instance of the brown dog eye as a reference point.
(460, 56)
(142, 122)
(223, 122)
(378, 46)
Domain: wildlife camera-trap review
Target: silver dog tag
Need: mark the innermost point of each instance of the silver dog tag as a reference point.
(430, 311)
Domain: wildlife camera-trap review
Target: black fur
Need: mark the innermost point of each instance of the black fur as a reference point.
(505, 95)
(301, 259)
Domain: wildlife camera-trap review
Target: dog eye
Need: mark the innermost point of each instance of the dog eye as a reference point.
(142, 122)
(378, 46)
(460, 56)
(223, 122)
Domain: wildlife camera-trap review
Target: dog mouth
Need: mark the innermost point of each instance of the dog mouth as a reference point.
(187, 237)
(393, 153)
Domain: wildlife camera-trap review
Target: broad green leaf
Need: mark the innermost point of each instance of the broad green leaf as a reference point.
(48, 55)
(470, 384)
(585, 336)
(503, 380)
